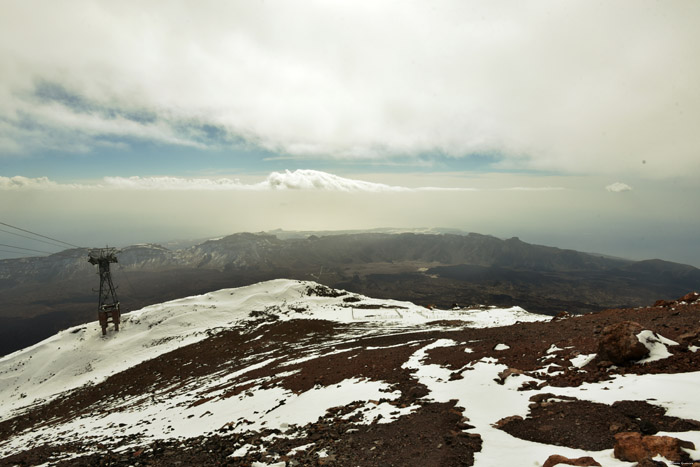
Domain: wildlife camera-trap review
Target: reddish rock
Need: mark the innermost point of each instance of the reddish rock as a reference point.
(690, 298)
(650, 463)
(556, 459)
(561, 315)
(503, 375)
(619, 344)
(504, 421)
(633, 447)
(691, 337)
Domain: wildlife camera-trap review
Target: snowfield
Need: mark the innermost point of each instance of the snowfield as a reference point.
(257, 395)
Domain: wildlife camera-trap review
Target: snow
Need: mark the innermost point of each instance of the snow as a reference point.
(485, 402)
(582, 360)
(80, 355)
(656, 345)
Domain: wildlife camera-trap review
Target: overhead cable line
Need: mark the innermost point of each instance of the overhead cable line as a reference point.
(9, 251)
(28, 249)
(39, 235)
(31, 238)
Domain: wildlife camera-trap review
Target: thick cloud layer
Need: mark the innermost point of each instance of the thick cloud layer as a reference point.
(581, 87)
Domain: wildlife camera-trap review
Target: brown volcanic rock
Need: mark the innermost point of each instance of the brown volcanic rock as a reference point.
(556, 459)
(634, 447)
(566, 421)
(690, 298)
(619, 343)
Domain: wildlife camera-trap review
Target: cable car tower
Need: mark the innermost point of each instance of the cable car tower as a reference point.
(108, 307)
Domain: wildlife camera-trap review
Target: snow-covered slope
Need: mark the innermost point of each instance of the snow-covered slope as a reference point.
(79, 355)
(288, 370)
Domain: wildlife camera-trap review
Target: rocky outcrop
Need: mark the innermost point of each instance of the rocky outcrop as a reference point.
(619, 343)
(688, 298)
(556, 459)
(634, 447)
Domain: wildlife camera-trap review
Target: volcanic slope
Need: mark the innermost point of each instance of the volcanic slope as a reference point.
(295, 373)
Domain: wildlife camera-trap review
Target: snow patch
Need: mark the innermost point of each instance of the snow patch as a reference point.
(582, 360)
(656, 345)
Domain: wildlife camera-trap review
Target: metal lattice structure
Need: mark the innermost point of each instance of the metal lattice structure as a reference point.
(108, 306)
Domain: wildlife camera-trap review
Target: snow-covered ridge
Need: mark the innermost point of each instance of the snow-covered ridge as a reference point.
(295, 370)
(80, 354)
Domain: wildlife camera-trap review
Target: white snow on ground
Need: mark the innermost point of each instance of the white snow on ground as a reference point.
(485, 402)
(656, 345)
(582, 360)
(501, 347)
(81, 355)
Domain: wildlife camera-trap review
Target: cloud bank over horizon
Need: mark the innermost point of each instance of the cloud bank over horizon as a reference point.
(572, 87)
(301, 179)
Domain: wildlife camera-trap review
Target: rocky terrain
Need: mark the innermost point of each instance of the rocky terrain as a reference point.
(287, 373)
(41, 296)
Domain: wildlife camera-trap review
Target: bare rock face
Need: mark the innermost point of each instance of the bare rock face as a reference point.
(634, 447)
(556, 459)
(619, 344)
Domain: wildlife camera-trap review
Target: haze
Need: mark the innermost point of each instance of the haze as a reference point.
(570, 124)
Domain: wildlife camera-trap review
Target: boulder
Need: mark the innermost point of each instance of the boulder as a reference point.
(556, 459)
(619, 344)
(633, 447)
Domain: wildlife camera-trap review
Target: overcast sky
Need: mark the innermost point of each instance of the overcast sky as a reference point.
(573, 124)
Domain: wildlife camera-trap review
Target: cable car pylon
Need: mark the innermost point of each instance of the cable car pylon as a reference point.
(108, 304)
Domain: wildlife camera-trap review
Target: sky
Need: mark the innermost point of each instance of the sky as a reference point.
(570, 124)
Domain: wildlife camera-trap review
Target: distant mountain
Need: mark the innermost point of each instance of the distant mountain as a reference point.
(40, 296)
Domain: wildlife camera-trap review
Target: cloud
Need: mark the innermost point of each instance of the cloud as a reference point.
(315, 180)
(368, 80)
(307, 180)
(39, 183)
(172, 183)
(618, 187)
(297, 180)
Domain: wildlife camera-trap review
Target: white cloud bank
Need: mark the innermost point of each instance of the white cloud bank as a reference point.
(580, 86)
(275, 181)
(298, 180)
(618, 187)
(39, 183)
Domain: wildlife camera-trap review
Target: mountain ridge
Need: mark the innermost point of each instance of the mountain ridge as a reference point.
(42, 295)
